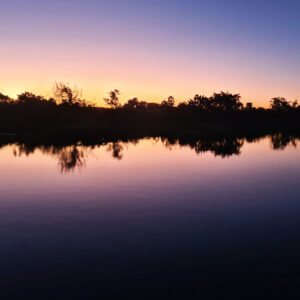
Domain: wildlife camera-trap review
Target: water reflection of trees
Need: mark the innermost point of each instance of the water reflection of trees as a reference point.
(223, 147)
(70, 157)
(116, 149)
(73, 156)
(280, 141)
(228, 146)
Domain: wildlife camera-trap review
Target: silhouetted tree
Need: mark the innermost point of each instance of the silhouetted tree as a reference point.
(143, 105)
(280, 104)
(29, 98)
(200, 102)
(30, 112)
(113, 99)
(226, 102)
(169, 102)
(65, 95)
(132, 103)
(294, 104)
(249, 106)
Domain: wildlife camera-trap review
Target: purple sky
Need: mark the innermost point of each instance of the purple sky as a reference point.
(151, 49)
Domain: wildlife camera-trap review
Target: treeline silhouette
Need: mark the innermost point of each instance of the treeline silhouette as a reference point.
(72, 153)
(68, 111)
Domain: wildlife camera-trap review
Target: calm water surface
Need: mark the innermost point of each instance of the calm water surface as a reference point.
(150, 218)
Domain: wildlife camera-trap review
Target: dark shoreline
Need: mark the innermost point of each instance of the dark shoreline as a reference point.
(69, 116)
(116, 128)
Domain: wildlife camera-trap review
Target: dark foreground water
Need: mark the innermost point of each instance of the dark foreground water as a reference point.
(151, 219)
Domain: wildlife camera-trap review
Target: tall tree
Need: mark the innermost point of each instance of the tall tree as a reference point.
(113, 99)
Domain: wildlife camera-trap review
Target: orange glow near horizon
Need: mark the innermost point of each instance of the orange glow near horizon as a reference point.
(191, 48)
(149, 76)
(150, 89)
(148, 81)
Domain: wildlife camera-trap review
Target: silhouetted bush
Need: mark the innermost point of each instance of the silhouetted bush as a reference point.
(4, 99)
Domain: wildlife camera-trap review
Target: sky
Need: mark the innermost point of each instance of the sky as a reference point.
(152, 49)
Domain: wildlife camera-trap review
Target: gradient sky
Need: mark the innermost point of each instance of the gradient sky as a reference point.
(152, 49)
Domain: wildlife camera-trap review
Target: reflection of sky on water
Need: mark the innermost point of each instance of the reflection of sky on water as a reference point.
(157, 208)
